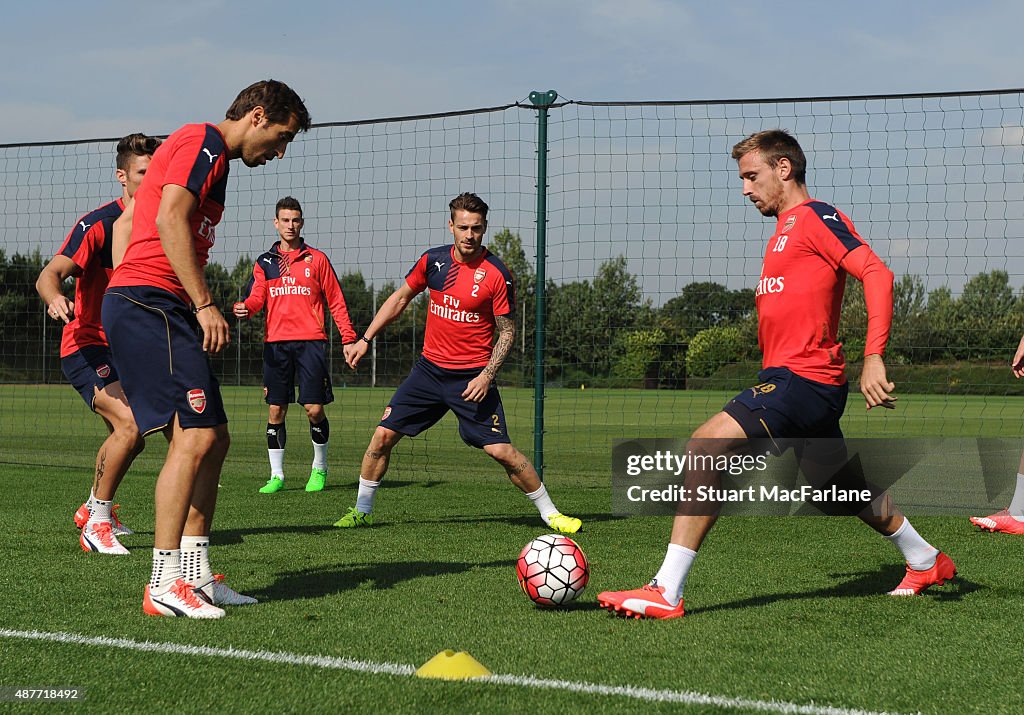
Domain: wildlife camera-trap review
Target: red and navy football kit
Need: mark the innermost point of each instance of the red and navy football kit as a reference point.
(85, 355)
(146, 311)
(294, 286)
(802, 389)
(458, 342)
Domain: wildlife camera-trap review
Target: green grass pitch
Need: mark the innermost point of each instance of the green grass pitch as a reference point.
(779, 610)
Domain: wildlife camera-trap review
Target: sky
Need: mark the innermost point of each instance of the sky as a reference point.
(655, 185)
(77, 70)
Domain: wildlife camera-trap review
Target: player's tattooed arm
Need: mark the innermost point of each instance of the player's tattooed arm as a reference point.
(502, 346)
(477, 388)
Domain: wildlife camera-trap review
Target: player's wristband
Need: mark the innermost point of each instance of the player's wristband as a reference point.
(366, 340)
(204, 307)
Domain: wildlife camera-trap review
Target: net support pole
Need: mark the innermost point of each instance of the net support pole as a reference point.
(542, 101)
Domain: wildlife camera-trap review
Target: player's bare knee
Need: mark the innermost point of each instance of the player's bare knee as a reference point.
(699, 445)
(509, 457)
(718, 435)
(518, 468)
(222, 440)
(129, 437)
(203, 441)
(315, 413)
(138, 445)
(704, 433)
(382, 442)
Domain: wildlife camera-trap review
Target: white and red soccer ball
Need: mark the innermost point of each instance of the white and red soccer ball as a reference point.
(552, 570)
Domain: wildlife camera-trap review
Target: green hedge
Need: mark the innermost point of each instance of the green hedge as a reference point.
(955, 378)
(714, 348)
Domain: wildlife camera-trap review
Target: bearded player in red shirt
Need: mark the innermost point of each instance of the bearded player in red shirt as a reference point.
(471, 294)
(293, 281)
(802, 389)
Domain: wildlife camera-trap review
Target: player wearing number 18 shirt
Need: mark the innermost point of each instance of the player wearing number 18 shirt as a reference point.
(801, 392)
(472, 293)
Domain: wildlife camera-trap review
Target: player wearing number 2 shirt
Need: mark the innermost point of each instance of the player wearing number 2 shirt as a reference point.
(472, 293)
(801, 392)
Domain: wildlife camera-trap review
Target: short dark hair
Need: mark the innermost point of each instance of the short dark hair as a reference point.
(775, 144)
(134, 145)
(468, 202)
(288, 203)
(278, 100)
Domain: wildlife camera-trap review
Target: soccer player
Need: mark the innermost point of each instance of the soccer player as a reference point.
(156, 300)
(802, 389)
(471, 294)
(294, 280)
(1011, 519)
(84, 352)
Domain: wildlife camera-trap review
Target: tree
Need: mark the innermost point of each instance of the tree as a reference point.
(508, 246)
(707, 304)
(942, 324)
(586, 319)
(618, 307)
(909, 337)
(714, 348)
(987, 320)
(235, 364)
(639, 354)
(29, 349)
(853, 320)
(569, 332)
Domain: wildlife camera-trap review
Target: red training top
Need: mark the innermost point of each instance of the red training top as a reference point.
(464, 300)
(89, 247)
(800, 292)
(194, 157)
(293, 285)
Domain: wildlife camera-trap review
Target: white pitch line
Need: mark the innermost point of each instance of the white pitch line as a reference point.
(317, 661)
(688, 697)
(363, 666)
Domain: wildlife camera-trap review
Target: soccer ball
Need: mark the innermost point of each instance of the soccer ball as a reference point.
(552, 570)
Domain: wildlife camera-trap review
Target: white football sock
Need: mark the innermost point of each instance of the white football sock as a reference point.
(99, 512)
(320, 456)
(543, 502)
(166, 570)
(1016, 508)
(365, 495)
(674, 570)
(919, 554)
(276, 462)
(195, 560)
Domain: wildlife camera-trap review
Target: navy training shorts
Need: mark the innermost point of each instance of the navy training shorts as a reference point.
(154, 338)
(426, 395)
(89, 369)
(305, 360)
(784, 405)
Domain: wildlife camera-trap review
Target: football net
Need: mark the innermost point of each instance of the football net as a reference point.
(652, 253)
